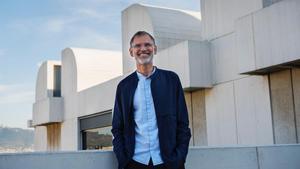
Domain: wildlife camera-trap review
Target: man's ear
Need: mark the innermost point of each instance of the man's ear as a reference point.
(155, 49)
(130, 52)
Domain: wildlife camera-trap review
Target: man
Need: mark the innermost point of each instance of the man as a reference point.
(150, 119)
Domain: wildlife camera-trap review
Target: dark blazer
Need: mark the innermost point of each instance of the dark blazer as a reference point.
(171, 114)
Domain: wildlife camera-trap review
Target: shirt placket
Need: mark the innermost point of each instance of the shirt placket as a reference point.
(148, 109)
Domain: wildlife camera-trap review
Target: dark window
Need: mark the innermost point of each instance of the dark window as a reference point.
(95, 131)
(57, 81)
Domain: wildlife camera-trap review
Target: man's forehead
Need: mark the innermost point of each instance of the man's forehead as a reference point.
(142, 38)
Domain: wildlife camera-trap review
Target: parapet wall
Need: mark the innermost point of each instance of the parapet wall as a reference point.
(262, 157)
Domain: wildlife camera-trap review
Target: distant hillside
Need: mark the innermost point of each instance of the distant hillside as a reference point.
(15, 137)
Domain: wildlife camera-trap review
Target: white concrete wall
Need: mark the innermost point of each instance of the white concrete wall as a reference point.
(82, 70)
(190, 60)
(46, 109)
(277, 33)
(238, 109)
(269, 37)
(165, 24)
(224, 59)
(99, 98)
(219, 16)
(221, 115)
(69, 70)
(93, 66)
(175, 58)
(253, 111)
(239, 112)
(70, 134)
(245, 44)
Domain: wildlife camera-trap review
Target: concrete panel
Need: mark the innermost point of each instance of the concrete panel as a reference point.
(200, 64)
(253, 109)
(48, 110)
(187, 96)
(222, 158)
(70, 135)
(277, 33)
(60, 160)
(190, 60)
(218, 16)
(199, 118)
(279, 157)
(283, 107)
(296, 91)
(176, 58)
(220, 115)
(245, 44)
(71, 106)
(98, 98)
(224, 59)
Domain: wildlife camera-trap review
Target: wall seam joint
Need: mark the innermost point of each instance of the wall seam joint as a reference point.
(257, 158)
(253, 36)
(235, 112)
(294, 107)
(271, 105)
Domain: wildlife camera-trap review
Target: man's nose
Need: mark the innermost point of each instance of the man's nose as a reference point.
(143, 47)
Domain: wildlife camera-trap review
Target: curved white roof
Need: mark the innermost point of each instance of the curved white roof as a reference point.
(168, 22)
(83, 68)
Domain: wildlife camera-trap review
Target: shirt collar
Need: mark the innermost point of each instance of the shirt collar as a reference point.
(141, 76)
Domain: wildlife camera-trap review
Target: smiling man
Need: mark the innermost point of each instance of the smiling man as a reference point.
(150, 118)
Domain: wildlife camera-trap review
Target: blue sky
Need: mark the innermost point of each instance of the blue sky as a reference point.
(33, 31)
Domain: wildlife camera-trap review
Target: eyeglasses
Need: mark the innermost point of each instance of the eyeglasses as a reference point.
(139, 46)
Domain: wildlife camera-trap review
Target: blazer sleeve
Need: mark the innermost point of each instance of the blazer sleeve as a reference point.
(183, 130)
(117, 131)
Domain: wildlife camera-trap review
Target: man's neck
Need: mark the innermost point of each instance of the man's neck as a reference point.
(145, 70)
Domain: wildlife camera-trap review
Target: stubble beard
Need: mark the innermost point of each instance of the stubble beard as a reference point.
(144, 61)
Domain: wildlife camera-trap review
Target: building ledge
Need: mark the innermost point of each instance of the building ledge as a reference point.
(275, 68)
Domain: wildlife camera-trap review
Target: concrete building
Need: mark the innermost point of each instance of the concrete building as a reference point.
(238, 62)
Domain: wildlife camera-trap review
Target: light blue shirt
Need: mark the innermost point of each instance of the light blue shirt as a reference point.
(146, 131)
